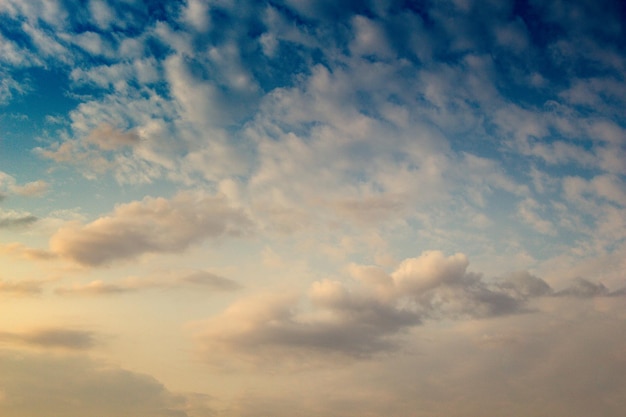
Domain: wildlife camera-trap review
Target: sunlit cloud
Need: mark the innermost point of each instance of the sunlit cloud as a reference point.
(152, 225)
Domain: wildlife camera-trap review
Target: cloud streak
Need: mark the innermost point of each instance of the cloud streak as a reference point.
(52, 338)
(199, 280)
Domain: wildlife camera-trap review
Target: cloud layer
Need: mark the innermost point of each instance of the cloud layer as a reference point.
(274, 205)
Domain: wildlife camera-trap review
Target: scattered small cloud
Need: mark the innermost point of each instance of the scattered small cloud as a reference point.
(9, 186)
(32, 189)
(12, 219)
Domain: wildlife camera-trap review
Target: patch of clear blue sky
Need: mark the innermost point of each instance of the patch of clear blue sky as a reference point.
(24, 120)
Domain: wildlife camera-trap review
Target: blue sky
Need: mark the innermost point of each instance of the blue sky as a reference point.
(234, 208)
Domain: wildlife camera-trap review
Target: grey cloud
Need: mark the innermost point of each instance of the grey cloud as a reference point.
(211, 281)
(475, 300)
(205, 279)
(272, 325)
(364, 319)
(152, 225)
(17, 220)
(52, 338)
(583, 288)
(526, 284)
(568, 362)
(618, 293)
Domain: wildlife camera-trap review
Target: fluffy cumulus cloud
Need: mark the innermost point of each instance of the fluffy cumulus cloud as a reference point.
(152, 225)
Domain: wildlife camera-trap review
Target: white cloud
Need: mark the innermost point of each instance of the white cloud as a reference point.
(91, 42)
(370, 39)
(50, 11)
(101, 13)
(431, 269)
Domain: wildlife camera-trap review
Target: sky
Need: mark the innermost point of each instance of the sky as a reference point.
(312, 208)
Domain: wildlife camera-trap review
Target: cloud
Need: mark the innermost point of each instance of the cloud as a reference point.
(101, 13)
(12, 219)
(364, 317)
(22, 251)
(583, 288)
(22, 287)
(431, 269)
(100, 288)
(527, 285)
(107, 138)
(124, 133)
(76, 386)
(197, 279)
(52, 338)
(528, 212)
(31, 189)
(263, 326)
(210, 281)
(152, 225)
(9, 185)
